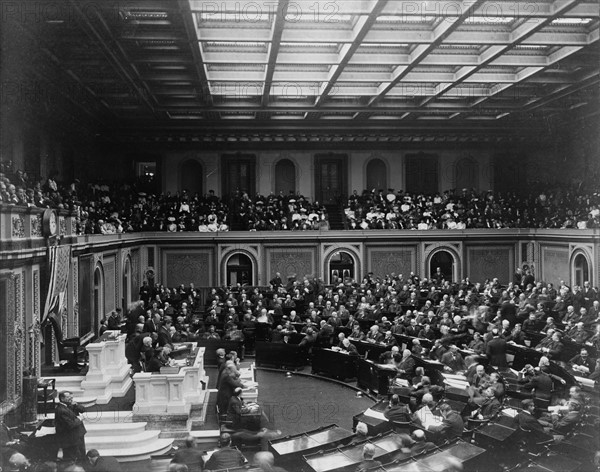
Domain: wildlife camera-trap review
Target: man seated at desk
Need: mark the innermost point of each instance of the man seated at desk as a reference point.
(420, 445)
(423, 415)
(397, 411)
(405, 365)
(582, 363)
(453, 360)
(389, 339)
(226, 457)
(419, 374)
(160, 358)
(452, 424)
(477, 345)
(387, 357)
(562, 421)
(486, 406)
(525, 419)
(551, 348)
(368, 462)
(478, 379)
(348, 347)
(540, 385)
(423, 388)
(242, 415)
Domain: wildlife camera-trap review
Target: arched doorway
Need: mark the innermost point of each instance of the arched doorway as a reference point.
(376, 175)
(581, 271)
(445, 261)
(98, 297)
(191, 177)
(239, 270)
(126, 284)
(466, 174)
(341, 267)
(285, 177)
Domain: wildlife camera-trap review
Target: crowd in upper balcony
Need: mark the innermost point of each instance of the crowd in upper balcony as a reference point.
(124, 207)
(112, 208)
(564, 206)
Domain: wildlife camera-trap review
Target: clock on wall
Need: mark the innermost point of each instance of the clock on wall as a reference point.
(50, 223)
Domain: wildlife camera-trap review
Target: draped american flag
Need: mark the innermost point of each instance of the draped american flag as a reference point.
(59, 262)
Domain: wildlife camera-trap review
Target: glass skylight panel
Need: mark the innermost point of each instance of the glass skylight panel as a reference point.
(307, 45)
(489, 20)
(238, 44)
(384, 45)
(572, 21)
(242, 16)
(405, 19)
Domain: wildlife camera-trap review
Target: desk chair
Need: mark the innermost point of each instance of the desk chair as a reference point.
(46, 390)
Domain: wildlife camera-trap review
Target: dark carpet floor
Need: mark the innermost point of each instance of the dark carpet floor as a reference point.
(302, 403)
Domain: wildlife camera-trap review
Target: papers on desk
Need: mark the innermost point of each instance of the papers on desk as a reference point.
(510, 412)
(250, 384)
(45, 431)
(386, 366)
(585, 382)
(401, 383)
(427, 418)
(375, 414)
(456, 381)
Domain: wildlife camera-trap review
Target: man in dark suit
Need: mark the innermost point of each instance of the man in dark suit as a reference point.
(452, 426)
(99, 463)
(226, 457)
(496, 350)
(348, 347)
(276, 281)
(397, 411)
(420, 444)
(541, 384)
(453, 360)
(152, 325)
(525, 418)
(189, 455)
(70, 430)
(164, 333)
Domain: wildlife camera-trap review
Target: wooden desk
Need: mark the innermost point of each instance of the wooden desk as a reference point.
(374, 377)
(334, 363)
(291, 448)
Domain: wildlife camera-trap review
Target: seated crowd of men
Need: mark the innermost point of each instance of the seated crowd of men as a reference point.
(561, 207)
(463, 323)
(306, 312)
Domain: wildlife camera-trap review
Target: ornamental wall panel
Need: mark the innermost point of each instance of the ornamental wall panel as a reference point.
(487, 262)
(298, 261)
(392, 259)
(110, 273)
(185, 266)
(555, 264)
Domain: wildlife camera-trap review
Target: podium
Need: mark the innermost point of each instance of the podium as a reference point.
(108, 370)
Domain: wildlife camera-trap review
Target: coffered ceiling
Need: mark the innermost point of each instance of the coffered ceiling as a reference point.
(191, 67)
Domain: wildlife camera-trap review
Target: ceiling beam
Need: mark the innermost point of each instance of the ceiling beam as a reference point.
(274, 43)
(521, 33)
(198, 59)
(528, 72)
(360, 29)
(588, 79)
(440, 32)
(113, 52)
